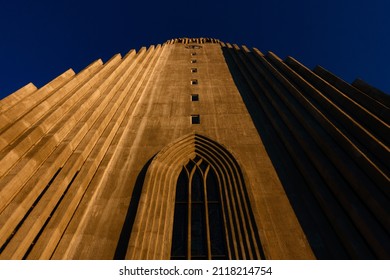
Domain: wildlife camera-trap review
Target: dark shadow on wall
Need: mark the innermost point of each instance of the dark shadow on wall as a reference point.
(320, 235)
(124, 238)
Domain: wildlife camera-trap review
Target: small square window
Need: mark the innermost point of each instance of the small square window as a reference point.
(194, 70)
(194, 97)
(193, 60)
(193, 54)
(194, 82)
(195, 119)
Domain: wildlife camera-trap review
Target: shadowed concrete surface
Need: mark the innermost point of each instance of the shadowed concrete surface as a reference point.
(92, 164)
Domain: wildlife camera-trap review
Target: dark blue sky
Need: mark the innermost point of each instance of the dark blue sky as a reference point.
(41, 39)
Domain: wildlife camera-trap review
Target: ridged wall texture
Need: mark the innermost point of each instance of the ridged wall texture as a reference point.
(92, 164)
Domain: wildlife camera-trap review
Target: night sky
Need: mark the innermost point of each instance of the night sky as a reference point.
(41, 39)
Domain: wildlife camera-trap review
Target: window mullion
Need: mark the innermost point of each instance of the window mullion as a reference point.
(207, 213)
(189, 215)
(226, 216)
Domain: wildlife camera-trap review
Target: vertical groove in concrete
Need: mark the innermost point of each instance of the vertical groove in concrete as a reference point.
(372, 91)
(356, 131)
(360, 185)
(30, 102)
(296, 180)
(26, 131)
(290, 165)
(3, 181)
(363, 99)
(317, 159)
(375, 168)
(77, 130)
(73, 166)
(48, 241)
(15, 97)
(60, 123)
(242, 64)
(371, 122)
(367, 166)
(66, 248)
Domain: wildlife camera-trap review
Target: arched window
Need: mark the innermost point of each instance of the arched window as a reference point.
(198, 230)
(207, 206)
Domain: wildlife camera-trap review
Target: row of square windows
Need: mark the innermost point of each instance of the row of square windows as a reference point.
(195, 119)
(193, 60)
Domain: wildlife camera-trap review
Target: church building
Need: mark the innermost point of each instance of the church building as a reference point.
(195, 149)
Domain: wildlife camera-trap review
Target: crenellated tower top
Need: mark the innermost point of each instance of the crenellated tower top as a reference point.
(193, 40)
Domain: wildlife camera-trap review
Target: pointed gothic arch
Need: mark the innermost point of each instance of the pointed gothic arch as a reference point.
(154, 225)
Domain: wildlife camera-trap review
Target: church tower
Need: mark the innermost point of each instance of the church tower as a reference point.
(195, 149)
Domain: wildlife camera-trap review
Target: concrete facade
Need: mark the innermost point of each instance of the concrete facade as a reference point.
(89, 163)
